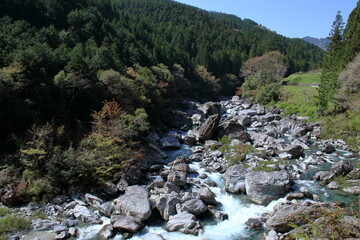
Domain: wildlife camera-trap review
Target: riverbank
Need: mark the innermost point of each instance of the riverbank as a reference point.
(230, 176)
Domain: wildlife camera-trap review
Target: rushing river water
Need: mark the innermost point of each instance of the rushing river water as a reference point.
(238, 207)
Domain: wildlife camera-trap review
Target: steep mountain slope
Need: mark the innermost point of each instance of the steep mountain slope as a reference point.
(321, 43)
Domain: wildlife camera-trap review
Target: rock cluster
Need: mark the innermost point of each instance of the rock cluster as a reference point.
(260, 153)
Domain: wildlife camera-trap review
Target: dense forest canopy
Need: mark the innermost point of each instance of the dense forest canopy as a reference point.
(78, 39)
(124, 59)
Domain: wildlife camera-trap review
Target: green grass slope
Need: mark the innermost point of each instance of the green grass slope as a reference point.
(301, 100)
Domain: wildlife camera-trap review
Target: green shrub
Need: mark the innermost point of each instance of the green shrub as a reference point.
(354, 124)
(267, 94)
(4, 211)
(40, 189)
(341, 181)
(329, 225)
(263, 168)
(10, 223)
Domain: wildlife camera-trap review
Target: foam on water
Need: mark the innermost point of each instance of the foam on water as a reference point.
(238, 213)
(91, 231)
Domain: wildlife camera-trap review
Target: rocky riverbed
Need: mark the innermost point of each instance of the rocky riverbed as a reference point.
(231, 170)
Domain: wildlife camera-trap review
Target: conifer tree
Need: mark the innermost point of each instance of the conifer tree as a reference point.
(352, 34)
(332, 64)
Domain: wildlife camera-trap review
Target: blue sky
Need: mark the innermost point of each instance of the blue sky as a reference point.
(291, 18)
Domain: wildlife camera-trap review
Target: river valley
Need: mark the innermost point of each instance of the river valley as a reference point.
(209, 188)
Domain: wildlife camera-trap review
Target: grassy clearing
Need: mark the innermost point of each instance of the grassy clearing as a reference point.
(301, 100)
(298, 100)
(304, 78)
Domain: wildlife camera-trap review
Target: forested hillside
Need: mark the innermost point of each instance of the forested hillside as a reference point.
(60, 60)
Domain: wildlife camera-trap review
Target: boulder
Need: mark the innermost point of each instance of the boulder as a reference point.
(170, 143)
(254, 223)
(176, 119)
(294, 150)
(128, 224)
(263, 187)
(218, 216)
(212, 144)
(197, 119)
(167, 205)
(342, 167)
(211, 108)
(301, 213)
(83, 214)
(261, 139)
(177, 177)
(272, 235)
(92, 200)
(109, 188)
(107, 232)
(194, 206)
(299, 131)
(328, 149)
(206, 195)
(346, 227)
(134, 202)
(286, 124)
(235, 179)
(106, 209)
(189, 140)
(233, 130)
(179, 164)
(44, 224)
(273, 131)
(74, 232)
(354, 174)
(207, 130)
(171, 187)
(244, 120)
(183, 222)
(60, 228)
(62, 235)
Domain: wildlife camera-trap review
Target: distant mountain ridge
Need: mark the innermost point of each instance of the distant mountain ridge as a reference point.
(321, 43)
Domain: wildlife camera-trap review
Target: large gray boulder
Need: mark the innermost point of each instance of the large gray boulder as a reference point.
(167, 205)
(178, 172)
(44, 224)
(211, 108)
(84, 214)
(244, 120)
(183, 222)
(194, 206)
(294, 150)
(328, 149)
(233, 130)
(134, 202)
(206, 195)
(263, 187)
(286, 124)
(235, 179)
(179, 164)
(207, 130)
(342, 167)
(285, 215)
(170, 143)
(128, 224)
(177, 177)
(107, 231)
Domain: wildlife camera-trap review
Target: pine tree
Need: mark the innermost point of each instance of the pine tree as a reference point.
(332, 64)
(352, 34)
